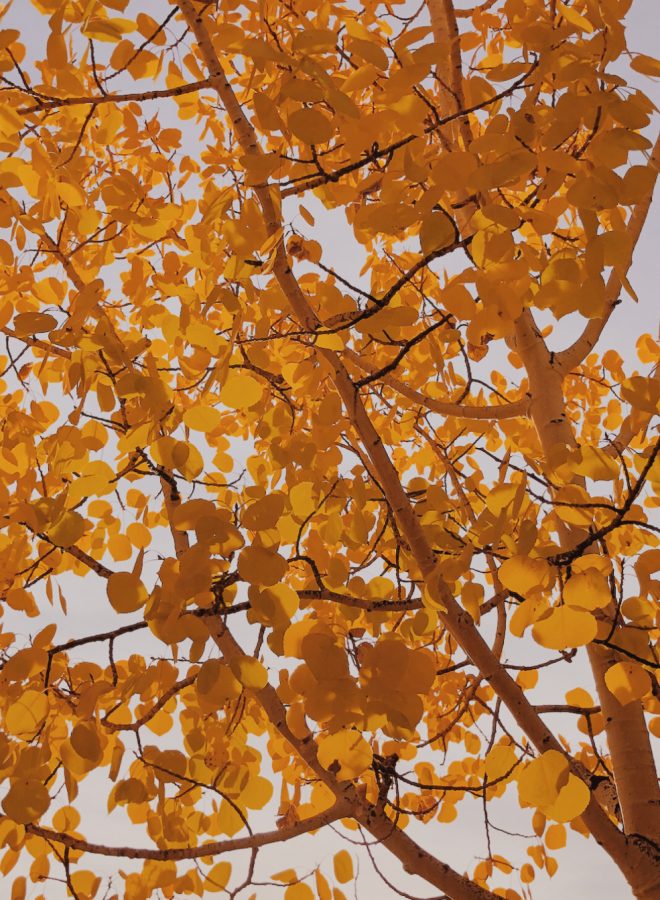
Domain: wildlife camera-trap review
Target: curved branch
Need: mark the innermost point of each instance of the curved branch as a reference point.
(279, 835)
(445, 407)
(55, 103)
(150, 713)
(32, 341)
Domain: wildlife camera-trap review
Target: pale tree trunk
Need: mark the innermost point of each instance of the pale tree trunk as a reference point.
(627, 734)
(625, 726)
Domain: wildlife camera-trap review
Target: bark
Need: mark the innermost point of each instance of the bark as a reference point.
(449, 68)
(509, 410)
(627, 734)
(213, 848)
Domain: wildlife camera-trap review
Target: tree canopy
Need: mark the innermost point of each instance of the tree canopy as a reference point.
(307, 497)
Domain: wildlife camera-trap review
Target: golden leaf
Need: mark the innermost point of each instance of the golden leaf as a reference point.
(628, 681)
(310, 126)
(565, 627)
(126, 592)
(346, 754)
(343, 866)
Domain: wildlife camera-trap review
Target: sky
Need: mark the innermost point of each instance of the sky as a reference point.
(585, 872)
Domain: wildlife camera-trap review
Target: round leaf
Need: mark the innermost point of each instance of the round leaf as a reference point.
(24, 717)
(565, 627)
(437, 232)
(126, 592)
(241, 392)
(310, 126)
(346, 754)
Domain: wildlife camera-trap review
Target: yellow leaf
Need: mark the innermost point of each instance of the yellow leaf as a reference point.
(572, 16)
(69, 528)
(85, 741)
(302, 498)
(500, 760)
(647, 65)
(522, 574)
(96, 479)
(8, 36)
(186, 516)
(594, 463)
(369, 51)
(241, 391)
(457, 300)
(343, 866)
(250, 672)
(257, 565)
(587, 590)
(572, 801)
(274, 605)
(10, 121)
(565, 627)
(286, 876)
(186, 458)
(437, 232)
(555, 837)
(500, 497)
(299, 891)
(33, 323)
(310, 126)
(126, 592)
(257, 793)
(579, 697)
(216, 879)
(202, 418)
(541, 780)
(346, 754)
(216, 684)
(330, 342)
(109, 30)
(528, 612)
(70, 194)
(201, 335)
(322, 886)
(597, 561)
(25, 716)
(432, 592)
(628, 681)
(85, 883)
(26, 801)
(642, 393)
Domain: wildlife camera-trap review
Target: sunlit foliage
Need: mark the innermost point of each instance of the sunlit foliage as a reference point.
(322, 500)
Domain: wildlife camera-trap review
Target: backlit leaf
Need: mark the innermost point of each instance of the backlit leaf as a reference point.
(25, 716)
(540, 782)
(628, 681)
(587, 590)
(565, 627)
(241, 392)
(217, 878)
(126, 592)
(33, 323)
(346, 754)
(523, 574)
